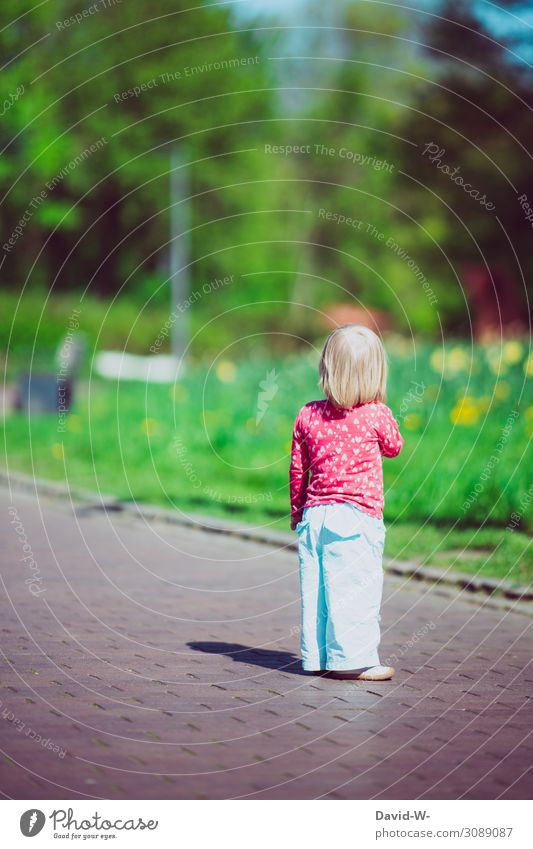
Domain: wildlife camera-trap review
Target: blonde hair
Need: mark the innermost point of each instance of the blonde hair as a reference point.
(353, 367)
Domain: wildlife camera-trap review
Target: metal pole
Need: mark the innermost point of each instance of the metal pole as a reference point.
(179, 252)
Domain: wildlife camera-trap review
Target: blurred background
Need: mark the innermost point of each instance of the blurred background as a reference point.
(194, 194)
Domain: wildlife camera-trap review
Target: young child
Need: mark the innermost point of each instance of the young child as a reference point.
(336, 490)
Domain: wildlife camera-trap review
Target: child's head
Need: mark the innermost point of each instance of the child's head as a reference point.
(353, 367)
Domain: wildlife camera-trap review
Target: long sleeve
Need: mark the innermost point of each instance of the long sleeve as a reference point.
(299, 472)
(389, 437)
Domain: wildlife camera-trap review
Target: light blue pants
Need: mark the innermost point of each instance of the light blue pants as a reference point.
(340, 550)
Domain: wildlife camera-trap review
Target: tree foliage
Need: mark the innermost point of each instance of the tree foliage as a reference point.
(92, 102)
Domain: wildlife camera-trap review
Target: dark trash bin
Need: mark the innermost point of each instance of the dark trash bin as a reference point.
(43, 393)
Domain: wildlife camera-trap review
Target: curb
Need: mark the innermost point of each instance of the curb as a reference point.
(90, 501)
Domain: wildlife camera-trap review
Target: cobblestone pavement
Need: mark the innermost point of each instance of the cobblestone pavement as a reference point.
(152, 661)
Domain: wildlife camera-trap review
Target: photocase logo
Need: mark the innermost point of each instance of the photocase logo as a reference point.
(268, 390)
(32, 822)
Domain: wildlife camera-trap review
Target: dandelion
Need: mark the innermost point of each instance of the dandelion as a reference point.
(212, 417)
(58, 452)
(528, 366)
(458, 360)
(498, 367)
(412, 421)
(465, 412)
(437, 360)
(226, 371)
(451, 363)
(178, 393)
(432, 392)
(496, 361)
(149, 427)
(74, 423)
(513, 352)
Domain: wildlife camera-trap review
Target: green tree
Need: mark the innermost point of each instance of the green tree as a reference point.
(135, 78)
(471, 162)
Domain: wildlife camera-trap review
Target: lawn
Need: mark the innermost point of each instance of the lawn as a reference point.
(218, 442)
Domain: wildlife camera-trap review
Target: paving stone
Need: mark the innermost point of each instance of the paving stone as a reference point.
(163, 661)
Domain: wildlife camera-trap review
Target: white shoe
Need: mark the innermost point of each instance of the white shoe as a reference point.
(377, 673)
(372, 673)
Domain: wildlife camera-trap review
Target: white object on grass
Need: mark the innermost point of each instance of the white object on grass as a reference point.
(117, 365)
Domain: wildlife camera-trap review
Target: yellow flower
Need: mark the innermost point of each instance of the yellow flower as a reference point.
(457, 360)
(412, 421)
(226, 371)
(58, 452)
(498, 367)
(437, 359)
(465, 412)
(213, 417)
(74, 423)
(502, 390)
(178, 392)
(513, 352)
(496, 361)
(432, 392)
(451, 362)
(149, 427)
(528, 366)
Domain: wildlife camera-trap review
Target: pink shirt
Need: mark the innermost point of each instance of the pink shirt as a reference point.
(342, 449)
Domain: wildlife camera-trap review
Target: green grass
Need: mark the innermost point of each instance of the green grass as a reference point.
(33, 324)
(490, 551)
(198, 446)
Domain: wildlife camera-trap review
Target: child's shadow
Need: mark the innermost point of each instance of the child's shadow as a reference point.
(283, 661)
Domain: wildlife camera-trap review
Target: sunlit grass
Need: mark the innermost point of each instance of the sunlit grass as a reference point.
(202, 446)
